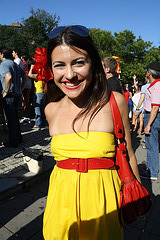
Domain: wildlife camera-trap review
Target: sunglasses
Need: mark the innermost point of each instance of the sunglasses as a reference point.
(78, 29)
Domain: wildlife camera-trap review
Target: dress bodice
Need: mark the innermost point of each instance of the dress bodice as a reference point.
(83, 145)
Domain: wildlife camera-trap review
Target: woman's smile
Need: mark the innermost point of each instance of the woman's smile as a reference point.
(72, 85)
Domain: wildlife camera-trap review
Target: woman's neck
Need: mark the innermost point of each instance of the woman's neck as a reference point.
(80, 101)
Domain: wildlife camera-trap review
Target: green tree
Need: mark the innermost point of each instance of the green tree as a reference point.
(153, 54)
(124, 45)
(103, 40)
(49, 21)
(36, 28)
(33, 33)
(11, 38)
(132, 53)
(129, 69)
(140, 48)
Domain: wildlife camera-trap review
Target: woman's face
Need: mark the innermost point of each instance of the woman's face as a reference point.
(71, 69)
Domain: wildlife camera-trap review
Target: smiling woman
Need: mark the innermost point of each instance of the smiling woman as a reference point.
(72, 71)
(84, 189)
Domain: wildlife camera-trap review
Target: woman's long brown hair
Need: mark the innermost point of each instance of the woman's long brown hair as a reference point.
(98, 89)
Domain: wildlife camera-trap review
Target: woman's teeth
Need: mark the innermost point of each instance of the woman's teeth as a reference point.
(72, 84)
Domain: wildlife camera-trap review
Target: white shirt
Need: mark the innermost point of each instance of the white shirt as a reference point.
(19, 62)
(135, 100)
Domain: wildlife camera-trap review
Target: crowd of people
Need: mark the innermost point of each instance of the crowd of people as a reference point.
(133, 93)
(84, 190)
(13, 80)
(22, 94)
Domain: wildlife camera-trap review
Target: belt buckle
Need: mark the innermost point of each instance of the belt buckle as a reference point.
(82, 165)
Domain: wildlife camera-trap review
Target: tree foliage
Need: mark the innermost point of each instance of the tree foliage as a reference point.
(153, 54)
(103, 40)
(36, 28)
(47, 19)
(134, 53)
(33, 33)
(11, 38)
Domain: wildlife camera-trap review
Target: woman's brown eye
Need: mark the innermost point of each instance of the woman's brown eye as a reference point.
(81, 62)
(58, 65)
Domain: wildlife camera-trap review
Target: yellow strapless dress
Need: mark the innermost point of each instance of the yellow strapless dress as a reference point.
(83, 206)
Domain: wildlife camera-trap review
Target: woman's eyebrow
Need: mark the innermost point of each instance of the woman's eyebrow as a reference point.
(76, 59)
(57, 61)
(81, 58)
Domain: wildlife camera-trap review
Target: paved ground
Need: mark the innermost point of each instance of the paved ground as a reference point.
(23, 194)
(13, 172)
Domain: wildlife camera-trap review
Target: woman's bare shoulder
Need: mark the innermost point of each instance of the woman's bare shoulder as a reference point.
(51, 108)
(52, 104)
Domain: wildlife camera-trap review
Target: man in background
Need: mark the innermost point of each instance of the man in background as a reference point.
(10, 77)
(110, 65)
(17, 60)
(152, 121)
(143, 94)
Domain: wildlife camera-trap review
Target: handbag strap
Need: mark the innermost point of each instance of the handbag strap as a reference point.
(119, 133)
(117, 120)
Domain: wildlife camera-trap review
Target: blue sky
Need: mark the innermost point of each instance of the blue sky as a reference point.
(142, 17)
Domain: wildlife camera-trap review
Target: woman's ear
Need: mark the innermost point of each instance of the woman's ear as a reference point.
(107, 70)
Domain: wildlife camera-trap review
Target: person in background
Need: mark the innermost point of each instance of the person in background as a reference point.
(130, 103)
(10, 77)
(143, 94)
(127, 86)
(110, 65)
(83, 200)
(142, 101)
(126, 91)
(15, 54)
(39, 100)
(135, 84)
(135, 100)
(3, 119)
(27, 91)
(24, 59)
(17, 59)
(152, 121)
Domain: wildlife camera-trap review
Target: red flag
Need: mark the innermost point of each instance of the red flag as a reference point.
(41, 67)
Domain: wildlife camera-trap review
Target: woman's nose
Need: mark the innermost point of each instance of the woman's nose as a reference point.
(69, 73)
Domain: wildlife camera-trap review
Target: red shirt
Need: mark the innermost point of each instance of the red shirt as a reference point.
(126, 95)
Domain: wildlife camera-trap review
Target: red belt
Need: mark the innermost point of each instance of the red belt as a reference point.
(85, 164)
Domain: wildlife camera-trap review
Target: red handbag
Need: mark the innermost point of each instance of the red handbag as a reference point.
(135, 200)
